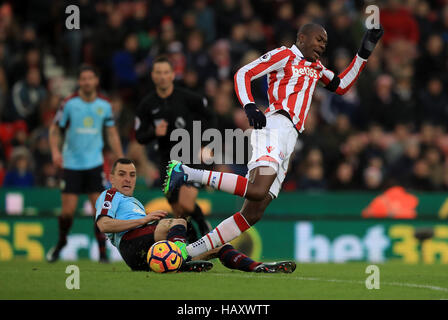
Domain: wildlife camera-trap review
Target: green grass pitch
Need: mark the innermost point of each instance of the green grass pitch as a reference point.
(21, 279)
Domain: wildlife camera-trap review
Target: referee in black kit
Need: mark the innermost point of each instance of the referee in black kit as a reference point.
(162, 111)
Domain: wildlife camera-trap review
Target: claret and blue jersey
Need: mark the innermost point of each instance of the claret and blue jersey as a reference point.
(83, 122)
(116, 205)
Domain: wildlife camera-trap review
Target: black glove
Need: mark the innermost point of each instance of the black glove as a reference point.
(369, 41)
(256, 118)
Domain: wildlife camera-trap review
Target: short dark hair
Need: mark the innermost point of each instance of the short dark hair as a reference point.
(306, 29)
(87, 67)
(162, 58)
(122, 161)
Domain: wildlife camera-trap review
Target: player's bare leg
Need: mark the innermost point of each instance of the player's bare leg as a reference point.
(65, 221)
(100, 237)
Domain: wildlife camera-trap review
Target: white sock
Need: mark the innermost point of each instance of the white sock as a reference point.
(226, 231)
(227, 182)
(193, 175)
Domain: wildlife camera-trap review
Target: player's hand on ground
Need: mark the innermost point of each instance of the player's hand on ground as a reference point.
(369, 41)
(256, 117)
(57, 159)
(156, 215)
(161, 128)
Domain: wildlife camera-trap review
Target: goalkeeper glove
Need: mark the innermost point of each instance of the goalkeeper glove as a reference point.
(256, 118)
(369, 41)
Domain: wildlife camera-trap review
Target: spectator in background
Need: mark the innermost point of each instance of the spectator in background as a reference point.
(4, 90)
(431, 61)
(220, 55)
(372, 178)
(228, 14)
(433, 102)
(26, 98)
(340, 36)
(205, 18)
(404, 88)
(421, 177)
(346, 104)
(238, 43)
(312, 176)
(19, 174)
(384, 106)
(256, 36)
(32, 59)
(435, 159)
(159, 10)
(398, 24)
(371, 72)
(124, 64)
(424, 18)
(108, 39)
(124, 119)
(427, 136)
(284, 24)
(166, 36)
(402, 134)
(400, 170)
(197, 57)
(47, 175)
(442, 24)
(313, 179)
(343, 178)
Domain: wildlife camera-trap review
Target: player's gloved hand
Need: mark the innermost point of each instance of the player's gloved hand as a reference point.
(369, 41)
(257, 119)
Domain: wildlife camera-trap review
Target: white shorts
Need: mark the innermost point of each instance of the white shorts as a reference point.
(272, 146)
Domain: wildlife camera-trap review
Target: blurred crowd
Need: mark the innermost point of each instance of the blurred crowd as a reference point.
(389, 129)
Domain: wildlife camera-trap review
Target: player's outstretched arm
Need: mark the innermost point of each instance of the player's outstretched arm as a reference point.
(341, 83)
(111, 225)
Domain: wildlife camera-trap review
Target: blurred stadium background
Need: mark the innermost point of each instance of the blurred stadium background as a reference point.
(369, 176)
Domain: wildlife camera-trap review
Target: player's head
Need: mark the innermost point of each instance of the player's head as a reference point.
(162, 73)
(88, 79)
(123, 176)
(311, 41)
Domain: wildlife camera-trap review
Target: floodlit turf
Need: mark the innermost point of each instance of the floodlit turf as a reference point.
(40, 280)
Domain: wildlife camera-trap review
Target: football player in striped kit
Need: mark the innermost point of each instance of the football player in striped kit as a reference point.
(293, 74)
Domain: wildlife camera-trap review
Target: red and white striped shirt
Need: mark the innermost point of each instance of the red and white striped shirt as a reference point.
(291, 81)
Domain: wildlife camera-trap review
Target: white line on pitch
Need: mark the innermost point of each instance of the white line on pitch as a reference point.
(397, 284)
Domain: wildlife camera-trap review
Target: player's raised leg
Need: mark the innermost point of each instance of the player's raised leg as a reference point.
(254, 189)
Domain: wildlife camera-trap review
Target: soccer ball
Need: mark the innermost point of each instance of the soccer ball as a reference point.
(164, 256)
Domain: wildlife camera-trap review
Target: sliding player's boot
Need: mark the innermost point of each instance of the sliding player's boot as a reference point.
(276, 267)
(196, 266)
